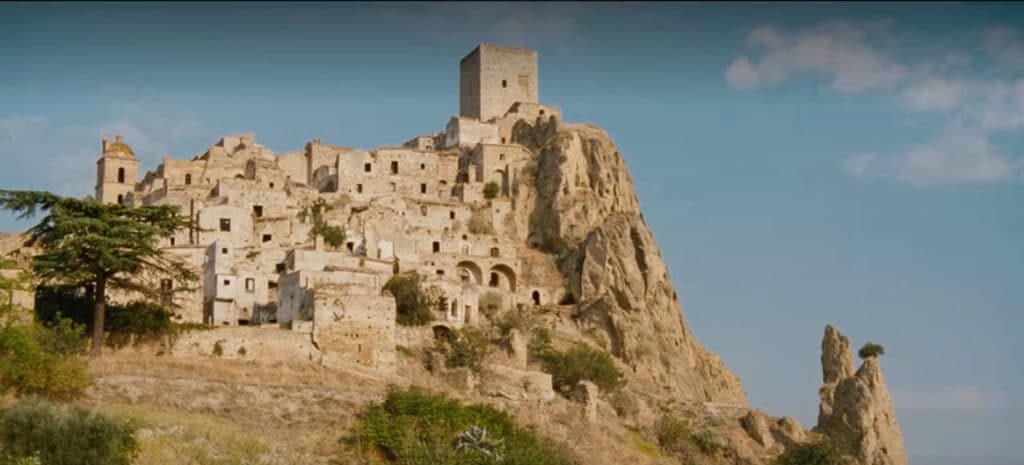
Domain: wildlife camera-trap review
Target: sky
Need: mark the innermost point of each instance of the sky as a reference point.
(799, 165)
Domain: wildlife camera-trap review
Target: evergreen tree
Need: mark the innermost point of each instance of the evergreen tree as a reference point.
(101, 246)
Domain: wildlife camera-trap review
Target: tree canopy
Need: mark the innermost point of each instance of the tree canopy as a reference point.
(87, 243)
(332, 235)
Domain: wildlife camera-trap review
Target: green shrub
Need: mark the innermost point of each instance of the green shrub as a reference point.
(512, 319)
(137, 321)
(673, 434)
(490, 304)
(581, 363)
(821, 452)
(65, 436)
(242, 351)
(218, 348)
(43, 361)
(540, 342)
(491, 190)
(467, 347)
(412, 427)
(706, 441)
(415, 304)
(871, 350)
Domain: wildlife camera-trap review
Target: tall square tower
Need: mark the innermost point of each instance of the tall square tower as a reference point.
(492, 78)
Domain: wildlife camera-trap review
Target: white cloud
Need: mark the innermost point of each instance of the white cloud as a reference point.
(837, 51)
(1004, 45)
(961, 400)
(960, 156)
(935, 94)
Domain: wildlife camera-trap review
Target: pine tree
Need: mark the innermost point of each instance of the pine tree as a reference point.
(103, 246)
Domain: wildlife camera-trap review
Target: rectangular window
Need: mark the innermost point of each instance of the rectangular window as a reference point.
(272, 285)
(437, 246)
(225, 224)
(257, 211)
(172, 241)
(367, 167)
(423, 188)
(224, 251)
(227, 282)
(279, 268)
(394, 167)
(267, 238)
(359, 188)
(166, 284)
(451, 215)
(250, 285)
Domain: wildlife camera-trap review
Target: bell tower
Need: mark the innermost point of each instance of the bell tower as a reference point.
(117, 171)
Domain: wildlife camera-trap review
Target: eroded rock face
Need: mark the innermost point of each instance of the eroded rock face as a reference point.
(856, 409)
(582, 207)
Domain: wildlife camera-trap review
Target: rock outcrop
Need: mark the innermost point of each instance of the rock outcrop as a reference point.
(580, 205)
(856, 409)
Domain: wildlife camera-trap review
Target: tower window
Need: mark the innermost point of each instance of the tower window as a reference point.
(504, 83)
(225, 224)
(188, 179)
(367, 167)
(120, 175)
(394, 167)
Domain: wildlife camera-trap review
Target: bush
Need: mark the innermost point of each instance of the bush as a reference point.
(43, 361)
(415, 304)
(673, 434)
(490, 304)
(218, 348)
(138, 321)
(580, 363)
(75, 436)
(540, 343)
(821, 452)
(412, 427)
(706, 441)
(871, 350)
(491, 190)
(512, 319)
(467, 347)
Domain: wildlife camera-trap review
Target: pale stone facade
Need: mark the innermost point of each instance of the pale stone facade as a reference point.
(415, 207)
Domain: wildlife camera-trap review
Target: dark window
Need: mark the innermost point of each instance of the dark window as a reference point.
(267, 238)
(279, 268)
(440, 272)
(359, 188)
(495, 252)
(504, 83)
(367, 167)
(394, 167)
(542, 114)
(451, 215)
(227, 282)
(437, 246)
(351, 246)
(257, 211)
(172, 241)
(224, 251)
(120, 199)
(494, 280)
(225, 224)
(502, 140)
(166, 284)
(272, 285)
(423, 166)
(188, 179)
(271, 185)
(536, 297)
(120, 175)
(501, 156)
(423, 210)
(250, 285)
(423, 188)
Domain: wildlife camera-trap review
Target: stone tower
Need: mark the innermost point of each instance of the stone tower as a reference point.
(492, 78)
(117, 171)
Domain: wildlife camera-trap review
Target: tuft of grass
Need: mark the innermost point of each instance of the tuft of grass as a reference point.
(644, 446)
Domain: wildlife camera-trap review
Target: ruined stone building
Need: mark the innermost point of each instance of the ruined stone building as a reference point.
(417, 207)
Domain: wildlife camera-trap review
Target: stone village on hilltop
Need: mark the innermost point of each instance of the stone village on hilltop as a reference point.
(416, 207)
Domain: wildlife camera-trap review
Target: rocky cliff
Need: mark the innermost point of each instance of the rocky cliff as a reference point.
(856, 409)
(580, 204)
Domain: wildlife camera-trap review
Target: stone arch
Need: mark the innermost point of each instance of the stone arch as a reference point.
(471, 270)
(500, 177)
(506, 278)
(535, 295)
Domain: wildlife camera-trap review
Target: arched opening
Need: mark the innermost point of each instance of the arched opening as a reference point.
(536, 297)
(120, 175)
(503, 277)
(470, 271)
(188, 179)
(442, 332)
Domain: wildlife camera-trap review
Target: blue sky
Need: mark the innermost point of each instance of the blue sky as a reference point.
(799, 165)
